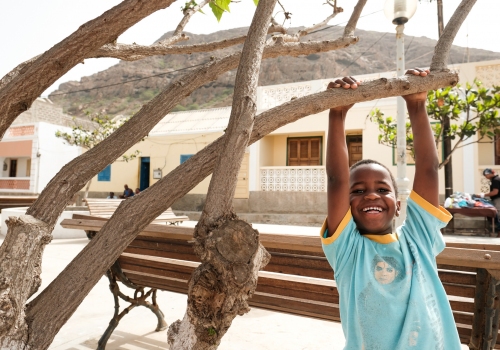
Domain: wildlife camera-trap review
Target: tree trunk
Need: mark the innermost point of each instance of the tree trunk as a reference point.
(448, 168)
(20, 266)
(229, 249)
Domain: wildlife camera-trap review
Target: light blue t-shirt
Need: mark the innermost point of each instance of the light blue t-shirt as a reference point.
(390, 293)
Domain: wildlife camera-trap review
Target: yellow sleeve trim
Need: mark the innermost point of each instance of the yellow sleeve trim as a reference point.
(340, 228)
(383, 239)
(439, 212)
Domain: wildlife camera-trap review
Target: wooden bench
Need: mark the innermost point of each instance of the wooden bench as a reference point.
(298, 279)
(106, 207)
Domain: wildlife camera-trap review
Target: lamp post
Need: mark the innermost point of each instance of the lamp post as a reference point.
(399, 12)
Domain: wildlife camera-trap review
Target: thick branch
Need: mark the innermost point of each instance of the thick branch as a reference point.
(443, 46)
(67, 182)
(134, 214)
(353, 21)
(18, 95)
(187, 16)
(16, 71)
(220, 195)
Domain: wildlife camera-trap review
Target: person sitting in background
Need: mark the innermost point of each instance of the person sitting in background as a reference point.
(137, 191)
(111, 196)
(494, 193)
(128, 192)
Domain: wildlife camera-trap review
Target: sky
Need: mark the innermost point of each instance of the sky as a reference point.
(30, 27)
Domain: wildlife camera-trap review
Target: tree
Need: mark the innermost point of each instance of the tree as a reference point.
(89, 136)
(474, 111)
(34, 325)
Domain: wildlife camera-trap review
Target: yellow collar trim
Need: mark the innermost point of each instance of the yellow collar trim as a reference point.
(383, 239)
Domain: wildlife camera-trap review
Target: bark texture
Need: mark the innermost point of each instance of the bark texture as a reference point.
(20, 268)
(134, 214)
(18, 94)
(443, 46)
(74, 175)
(229, 249)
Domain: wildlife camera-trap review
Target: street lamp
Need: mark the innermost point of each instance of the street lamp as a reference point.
(399, 12)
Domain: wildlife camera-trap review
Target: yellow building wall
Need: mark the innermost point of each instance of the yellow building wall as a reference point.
(164, 153)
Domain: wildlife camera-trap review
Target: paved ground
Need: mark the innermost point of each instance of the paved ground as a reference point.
(259, 329)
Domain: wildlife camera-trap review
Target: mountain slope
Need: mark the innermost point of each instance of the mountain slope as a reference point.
(375, 52)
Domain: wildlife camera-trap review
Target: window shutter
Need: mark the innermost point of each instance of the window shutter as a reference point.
(105, 175)
(293, 153)
(304, 151)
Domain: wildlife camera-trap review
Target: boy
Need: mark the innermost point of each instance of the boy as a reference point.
(390, 293)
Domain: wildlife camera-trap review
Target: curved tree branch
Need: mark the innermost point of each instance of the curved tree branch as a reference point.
(443, 46)
(353, 20)
(188, 13)
(66, 183)
(134, 214)
(18, 94)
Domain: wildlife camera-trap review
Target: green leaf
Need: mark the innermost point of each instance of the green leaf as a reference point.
(217, 11)
(256, 2)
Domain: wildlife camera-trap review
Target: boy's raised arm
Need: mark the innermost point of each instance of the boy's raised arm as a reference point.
(337, 160)
(426, 183)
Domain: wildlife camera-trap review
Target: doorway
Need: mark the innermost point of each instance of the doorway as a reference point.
(144, 175)
(354, 148)
(13, 168)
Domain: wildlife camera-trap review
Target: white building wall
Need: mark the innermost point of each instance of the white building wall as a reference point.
(53, 153)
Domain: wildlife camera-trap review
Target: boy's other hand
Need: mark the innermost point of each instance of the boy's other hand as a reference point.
(346, 83)
(419, 96)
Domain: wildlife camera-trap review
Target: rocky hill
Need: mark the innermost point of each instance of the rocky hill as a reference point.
(375, 52)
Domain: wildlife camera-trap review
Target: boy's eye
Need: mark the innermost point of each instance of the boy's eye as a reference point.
(357, 191)
(383, 190)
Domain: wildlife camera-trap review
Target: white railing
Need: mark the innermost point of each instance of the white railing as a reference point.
(293, 178)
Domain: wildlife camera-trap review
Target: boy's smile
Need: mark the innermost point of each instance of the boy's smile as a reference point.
(373, 199)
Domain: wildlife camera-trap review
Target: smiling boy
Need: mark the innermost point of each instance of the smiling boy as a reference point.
(390, 293)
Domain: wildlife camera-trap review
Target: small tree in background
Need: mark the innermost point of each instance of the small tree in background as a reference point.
(474, 110)
(88, 135)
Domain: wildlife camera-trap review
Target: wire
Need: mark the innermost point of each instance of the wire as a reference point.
(357, 58)
(128, 81)
(336, 25)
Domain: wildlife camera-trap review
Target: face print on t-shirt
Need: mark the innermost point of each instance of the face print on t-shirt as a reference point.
(386, 270)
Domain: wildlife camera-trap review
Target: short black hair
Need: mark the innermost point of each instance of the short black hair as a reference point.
(371, 161)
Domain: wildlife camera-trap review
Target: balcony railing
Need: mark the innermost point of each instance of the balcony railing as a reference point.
(293, 178)
(15, 183)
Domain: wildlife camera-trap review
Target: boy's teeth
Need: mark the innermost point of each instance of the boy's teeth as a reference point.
(372, 208)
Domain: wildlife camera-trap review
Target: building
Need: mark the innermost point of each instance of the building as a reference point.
(30, 153)
(292, 158)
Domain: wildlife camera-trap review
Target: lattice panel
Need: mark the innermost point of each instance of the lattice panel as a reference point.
(22, 130)
(275, 96)
(293, 179)
(489, 75)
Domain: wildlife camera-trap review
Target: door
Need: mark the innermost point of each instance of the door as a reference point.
(13, 168)
(144, 176)
(242, 184)
(355, 149)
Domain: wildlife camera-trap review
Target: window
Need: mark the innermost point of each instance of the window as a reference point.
(185, 157)
(105, 175)
(303, 151)
(28, 167)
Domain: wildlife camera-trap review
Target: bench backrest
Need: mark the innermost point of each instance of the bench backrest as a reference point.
(106, 207)
(298, 279)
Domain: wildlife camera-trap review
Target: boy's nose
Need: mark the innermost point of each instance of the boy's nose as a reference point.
(371, 195)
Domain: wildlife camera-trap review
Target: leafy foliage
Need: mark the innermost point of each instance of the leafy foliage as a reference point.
(87, 138)
(473, 110)
(220, 6)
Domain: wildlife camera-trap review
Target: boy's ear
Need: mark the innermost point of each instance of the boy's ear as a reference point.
(398, 207)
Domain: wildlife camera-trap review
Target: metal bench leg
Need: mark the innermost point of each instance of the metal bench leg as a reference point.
(139, 299)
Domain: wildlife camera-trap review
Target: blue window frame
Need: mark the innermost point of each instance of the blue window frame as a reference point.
(185, 157)
(105, 175)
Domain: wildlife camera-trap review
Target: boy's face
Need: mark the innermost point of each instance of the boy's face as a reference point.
(373, 199)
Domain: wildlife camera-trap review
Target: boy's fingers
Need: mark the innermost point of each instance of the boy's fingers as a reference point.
(350, 83)
(342, 83)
